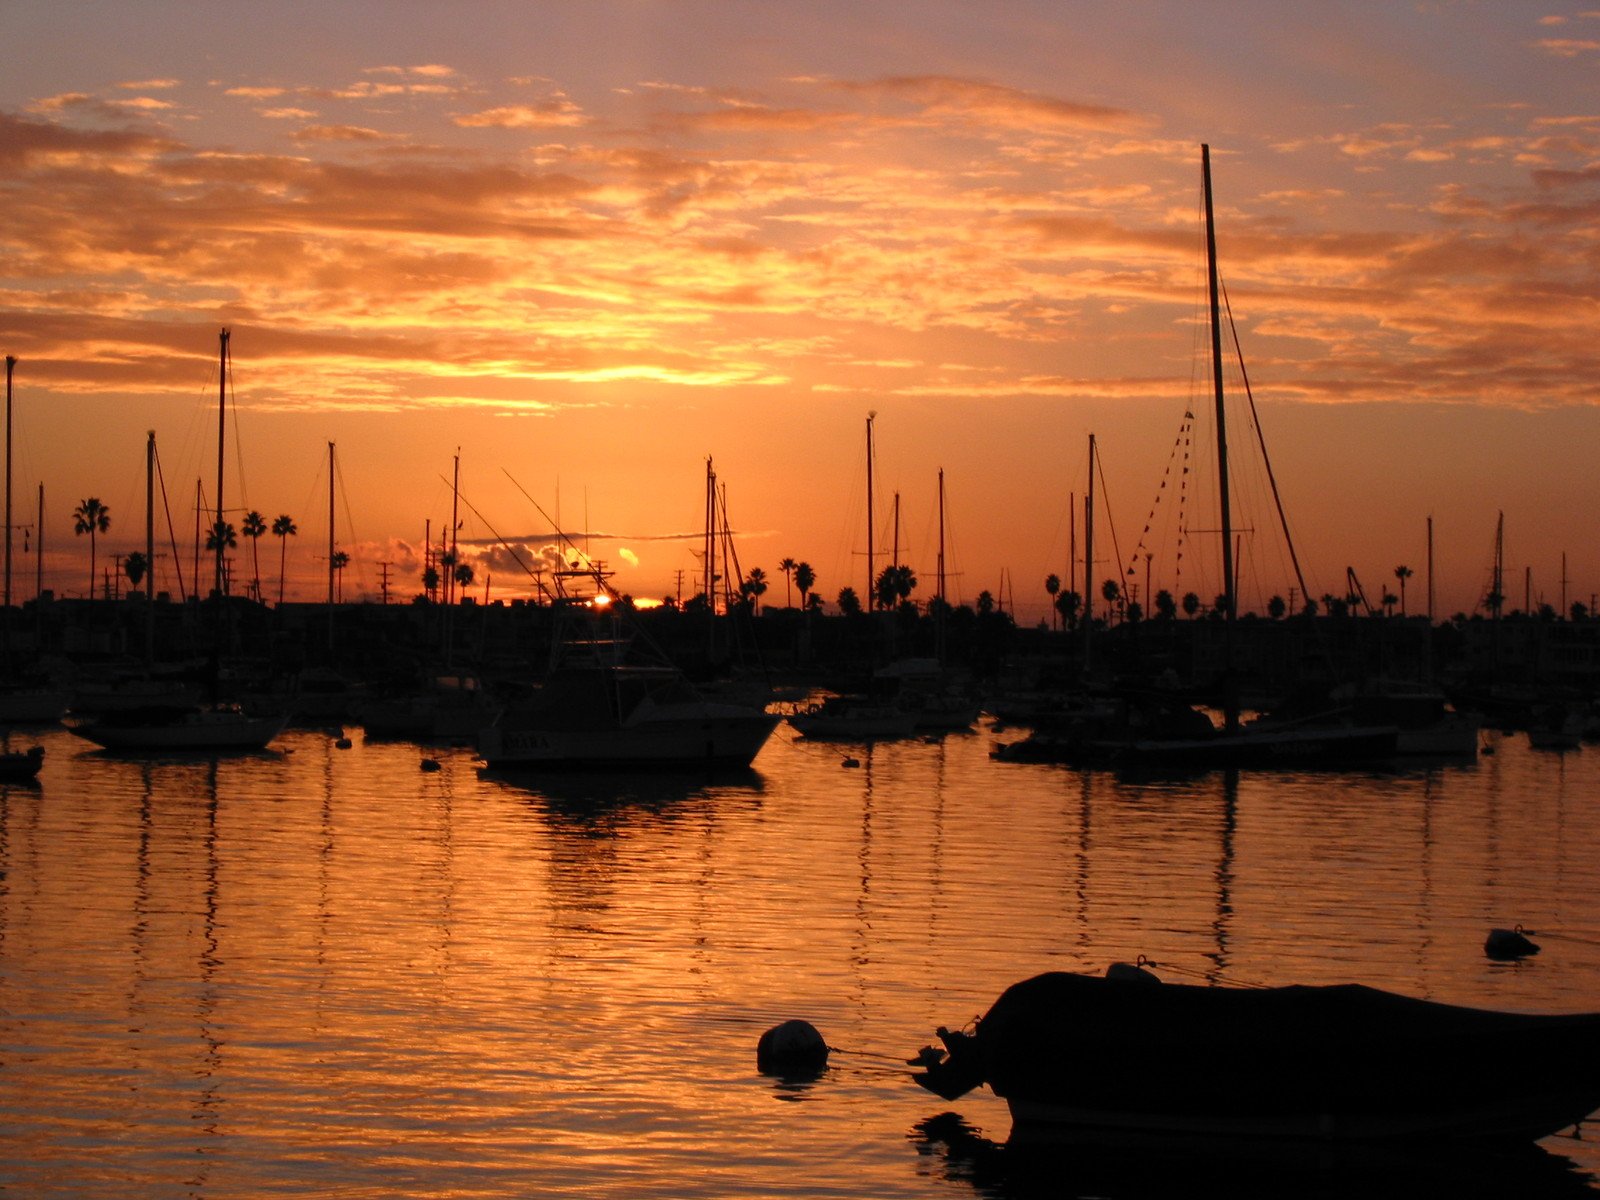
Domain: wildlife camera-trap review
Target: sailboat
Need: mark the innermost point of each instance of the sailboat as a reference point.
(212, 725)
(1182, 740)
(23, 700)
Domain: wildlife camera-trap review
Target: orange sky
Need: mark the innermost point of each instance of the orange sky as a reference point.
(591, 245)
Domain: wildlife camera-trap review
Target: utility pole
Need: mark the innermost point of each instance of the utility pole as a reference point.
(383, 579)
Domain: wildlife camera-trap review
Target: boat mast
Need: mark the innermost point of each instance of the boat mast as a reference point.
(330, 525)
(938, 619)
(1088, 560)
(872, 602)
(150, 546)
(1230, 707)
(11, 363)
(222, 423)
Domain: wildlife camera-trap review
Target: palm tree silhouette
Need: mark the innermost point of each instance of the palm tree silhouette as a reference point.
(894, 586)
(1402, 573)
(283, 528)
(805, 579)
(222, 536)
(1052, 588)
(253, 527)
(754, 587)
(463, 576)
(787, 566)
(93, 518)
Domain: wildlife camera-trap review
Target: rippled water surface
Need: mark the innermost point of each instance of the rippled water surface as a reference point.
(327, 972)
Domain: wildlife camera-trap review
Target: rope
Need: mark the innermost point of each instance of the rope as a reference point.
(1563, 937)
(1195, 973)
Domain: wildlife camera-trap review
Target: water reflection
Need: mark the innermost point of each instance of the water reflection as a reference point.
(1137, 1168)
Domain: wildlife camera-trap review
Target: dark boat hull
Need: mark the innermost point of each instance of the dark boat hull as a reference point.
(1344, 1063)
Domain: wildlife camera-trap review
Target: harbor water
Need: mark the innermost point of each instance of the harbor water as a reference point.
(329, 972)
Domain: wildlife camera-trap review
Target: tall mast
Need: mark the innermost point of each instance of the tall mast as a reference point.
(150, 546)
(1088, 560)
(38, 545)
(455, 522)
(938, 618)
(11, 363)
(331, 571)
(872, 602)
(222, 424)
(1230, 708)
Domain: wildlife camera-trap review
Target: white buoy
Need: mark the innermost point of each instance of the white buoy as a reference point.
(793, 1048)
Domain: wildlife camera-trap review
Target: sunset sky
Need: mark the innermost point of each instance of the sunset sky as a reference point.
(591, 244)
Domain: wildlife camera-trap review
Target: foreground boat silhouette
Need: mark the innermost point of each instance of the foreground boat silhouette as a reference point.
(1128, 1053)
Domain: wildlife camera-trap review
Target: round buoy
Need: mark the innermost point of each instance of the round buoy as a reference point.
(793, 1048)
(1507, 944)
(429, 764)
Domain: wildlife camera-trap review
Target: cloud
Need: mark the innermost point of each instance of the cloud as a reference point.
(339, 133)
(556, 112)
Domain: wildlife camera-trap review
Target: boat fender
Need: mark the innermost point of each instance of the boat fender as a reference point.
(851, 762)
(792, 1048)
(344, 743)
(430, 764)
(1503, 945)
(1130, 973)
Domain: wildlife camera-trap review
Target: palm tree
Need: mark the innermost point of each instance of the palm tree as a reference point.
(1166, 606)
(134, 567)
(1402, 573)
(339, 562)
(283, 528)
(1052, 587)
(894, 586)
(464, 575)
(430, 581)
(253, 527)
(93, 518)
(222, 536)
(1067, 604)
(1112, 591)
(753, 587)
(1276, 607)
(1191, 604)
(787, 566)
(805, 579)
(849, 603)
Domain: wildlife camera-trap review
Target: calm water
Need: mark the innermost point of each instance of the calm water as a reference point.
(326, 972)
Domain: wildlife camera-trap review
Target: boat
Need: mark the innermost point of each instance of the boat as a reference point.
(21, 766)
(1325, 739)
(853, 718)
(1127, 1053)
(623, 715)
(607, 702)
(169, 724)
(446, 706)
(203, 727)
(1424, 720)
(24, 704)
